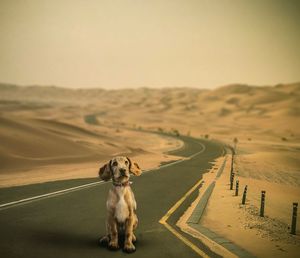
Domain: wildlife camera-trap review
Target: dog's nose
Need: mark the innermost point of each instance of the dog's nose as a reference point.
(122, 171)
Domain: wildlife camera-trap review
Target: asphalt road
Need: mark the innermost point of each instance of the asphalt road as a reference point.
(70, 224)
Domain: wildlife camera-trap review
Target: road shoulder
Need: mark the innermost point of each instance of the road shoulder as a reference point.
(190, 222)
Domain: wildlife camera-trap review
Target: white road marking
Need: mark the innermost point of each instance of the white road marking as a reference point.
(178, 161)
(72, 189)
(76, 188)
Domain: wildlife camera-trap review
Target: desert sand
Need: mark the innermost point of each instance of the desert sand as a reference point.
(51, 133)
(35, 150)
(53, 126)
(267, 236)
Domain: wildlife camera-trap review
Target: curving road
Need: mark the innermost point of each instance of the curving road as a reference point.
(68, 225)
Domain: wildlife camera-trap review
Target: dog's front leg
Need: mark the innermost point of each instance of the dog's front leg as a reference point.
(113, 243)
(128, 245)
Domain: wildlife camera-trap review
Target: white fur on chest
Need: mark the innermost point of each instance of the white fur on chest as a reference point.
(121, 209)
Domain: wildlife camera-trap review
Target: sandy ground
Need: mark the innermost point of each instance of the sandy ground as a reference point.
(39, 150)
(267, 236)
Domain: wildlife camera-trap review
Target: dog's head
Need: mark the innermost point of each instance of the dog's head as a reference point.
(119, 169)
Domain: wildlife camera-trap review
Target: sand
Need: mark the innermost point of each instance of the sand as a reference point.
(45, 126)
(38, 150)
(267, 236)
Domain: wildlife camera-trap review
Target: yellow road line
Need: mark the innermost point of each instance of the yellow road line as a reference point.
(185, 240)
(177, 204)
(164, 219)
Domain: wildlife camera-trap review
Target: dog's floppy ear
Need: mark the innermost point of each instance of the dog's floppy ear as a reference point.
(134, 167)
(105, 172)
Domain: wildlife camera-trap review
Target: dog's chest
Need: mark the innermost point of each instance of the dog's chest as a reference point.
(122, 209)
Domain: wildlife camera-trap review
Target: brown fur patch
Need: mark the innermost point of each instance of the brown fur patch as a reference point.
(105, 172)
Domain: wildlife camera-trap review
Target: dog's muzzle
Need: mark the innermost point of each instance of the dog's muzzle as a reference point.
(122, 172)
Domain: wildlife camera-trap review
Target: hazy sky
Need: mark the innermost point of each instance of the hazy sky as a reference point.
(123, 43)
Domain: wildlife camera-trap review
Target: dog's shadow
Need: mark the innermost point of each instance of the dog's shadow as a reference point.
(65, 239)
(71, 240)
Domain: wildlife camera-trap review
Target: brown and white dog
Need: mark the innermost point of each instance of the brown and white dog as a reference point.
(121, 204)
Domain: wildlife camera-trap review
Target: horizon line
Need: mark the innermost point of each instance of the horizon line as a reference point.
(144, 87)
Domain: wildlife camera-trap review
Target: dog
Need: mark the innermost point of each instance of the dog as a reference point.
(121, 204)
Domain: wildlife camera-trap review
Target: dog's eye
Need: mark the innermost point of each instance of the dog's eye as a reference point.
(126, 162)
(115, 163)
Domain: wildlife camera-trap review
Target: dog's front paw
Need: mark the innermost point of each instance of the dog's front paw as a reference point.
(112, 245)
(129, 248)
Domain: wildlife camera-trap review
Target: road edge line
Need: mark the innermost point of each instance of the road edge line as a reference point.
(164, 219)
(47, 195)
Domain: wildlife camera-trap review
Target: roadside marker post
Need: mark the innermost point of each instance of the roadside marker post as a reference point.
(231, 169)
(262, 203)
(244, 195)
(237, 188)
(231, 181)
(294, 218)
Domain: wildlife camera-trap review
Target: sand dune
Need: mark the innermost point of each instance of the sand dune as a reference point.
(36, 150)
(27, 143)
(44, 126)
